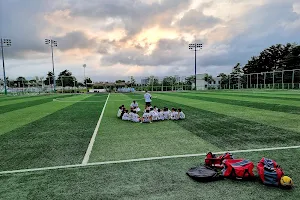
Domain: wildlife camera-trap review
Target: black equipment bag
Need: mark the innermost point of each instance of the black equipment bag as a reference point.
(203, 174)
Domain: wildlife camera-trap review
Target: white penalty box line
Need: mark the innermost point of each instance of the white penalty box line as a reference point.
(140, 160)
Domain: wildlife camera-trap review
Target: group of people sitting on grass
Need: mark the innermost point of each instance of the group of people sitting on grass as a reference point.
(150, 113)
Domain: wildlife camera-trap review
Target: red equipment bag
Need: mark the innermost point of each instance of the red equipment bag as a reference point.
(238, 169)
(269, 172)
(212, 160)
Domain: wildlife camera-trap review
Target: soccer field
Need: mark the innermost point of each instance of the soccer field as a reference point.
(47, 151)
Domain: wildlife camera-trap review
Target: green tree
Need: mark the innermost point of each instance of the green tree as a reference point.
(21, 81)
(49, 79)
(65, 78)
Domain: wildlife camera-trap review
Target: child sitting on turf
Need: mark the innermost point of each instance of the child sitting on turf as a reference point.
(155, 109)
(131, 114)
(166, 114)
(134, 105)
(119, 112)
(174, 114)
(135, 117)
(153, 114)
(125, 116)
(181, 114)
(160, 115)
(147, 118)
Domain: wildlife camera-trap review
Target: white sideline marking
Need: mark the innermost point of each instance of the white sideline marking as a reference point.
(79, 101)
(90, 147)
(141, 159)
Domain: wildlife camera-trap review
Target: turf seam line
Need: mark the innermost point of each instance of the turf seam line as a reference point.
(90, 147)
(141, 159)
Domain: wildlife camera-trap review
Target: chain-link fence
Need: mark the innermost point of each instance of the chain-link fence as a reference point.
(285, 79)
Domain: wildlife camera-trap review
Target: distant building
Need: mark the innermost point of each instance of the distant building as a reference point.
(203, 85)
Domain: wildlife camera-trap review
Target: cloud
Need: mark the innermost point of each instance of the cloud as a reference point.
(139, 37)
(75, 39)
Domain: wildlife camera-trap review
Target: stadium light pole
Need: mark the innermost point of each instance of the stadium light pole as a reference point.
(195, 47)
(84, 66)
(52, 43)
(4, 43)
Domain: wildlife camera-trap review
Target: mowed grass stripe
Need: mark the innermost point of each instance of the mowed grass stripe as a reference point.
(17, 118)
(228, 132)
(254, 95)
(60, 138)
(160, 179)
(260, 105)
(25, 104)
(24, 99)
(287, 121)
(4, 98)
(258, 99)
(120, 140)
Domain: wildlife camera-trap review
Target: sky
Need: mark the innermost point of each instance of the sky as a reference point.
(117, 39)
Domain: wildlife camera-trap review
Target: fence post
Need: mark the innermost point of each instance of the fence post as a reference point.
(293, 79)
(282, 82)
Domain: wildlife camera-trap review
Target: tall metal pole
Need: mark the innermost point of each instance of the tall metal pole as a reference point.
(195, 47)
(54, 82)
(4, 43)
(4, 76)
(195, 67)
(84, 66)
(52, 44)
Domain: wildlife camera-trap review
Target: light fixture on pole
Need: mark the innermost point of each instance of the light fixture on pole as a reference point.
(52, 44)
(4, 43)
(85, 81)
(195, 47)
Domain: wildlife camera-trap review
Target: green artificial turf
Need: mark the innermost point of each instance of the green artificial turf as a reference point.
(57, 139)
(17, 118)
(216, 121)
(259, 95)
(119, 139)
(26, 103)
(228, 132)
(158, 179)
(282, 120)
(260, 105)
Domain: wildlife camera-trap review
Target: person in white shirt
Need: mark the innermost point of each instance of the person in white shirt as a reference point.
(160, 114)
(135, 117)
(174, 114)
(125, 116)
(131, 115)
(119, 112)
(148, 98)
(181, 114)
(166, 114)
(155, 108)
(153, 114)
(147, 118)
(134, 105)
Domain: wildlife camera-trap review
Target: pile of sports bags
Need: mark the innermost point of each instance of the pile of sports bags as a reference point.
(226, 166)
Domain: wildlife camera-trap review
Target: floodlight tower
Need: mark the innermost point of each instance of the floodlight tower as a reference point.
(195, 47)
(84, 80)
(52, 44)
(4, 43)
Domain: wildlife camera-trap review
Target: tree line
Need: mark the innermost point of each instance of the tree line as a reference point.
(274, 59)
(65, 78)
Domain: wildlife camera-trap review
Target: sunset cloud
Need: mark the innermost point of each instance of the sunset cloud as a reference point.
(142, 37)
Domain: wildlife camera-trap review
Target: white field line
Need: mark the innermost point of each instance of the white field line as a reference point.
(142, 159)
(58, 100)
(90, 147)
